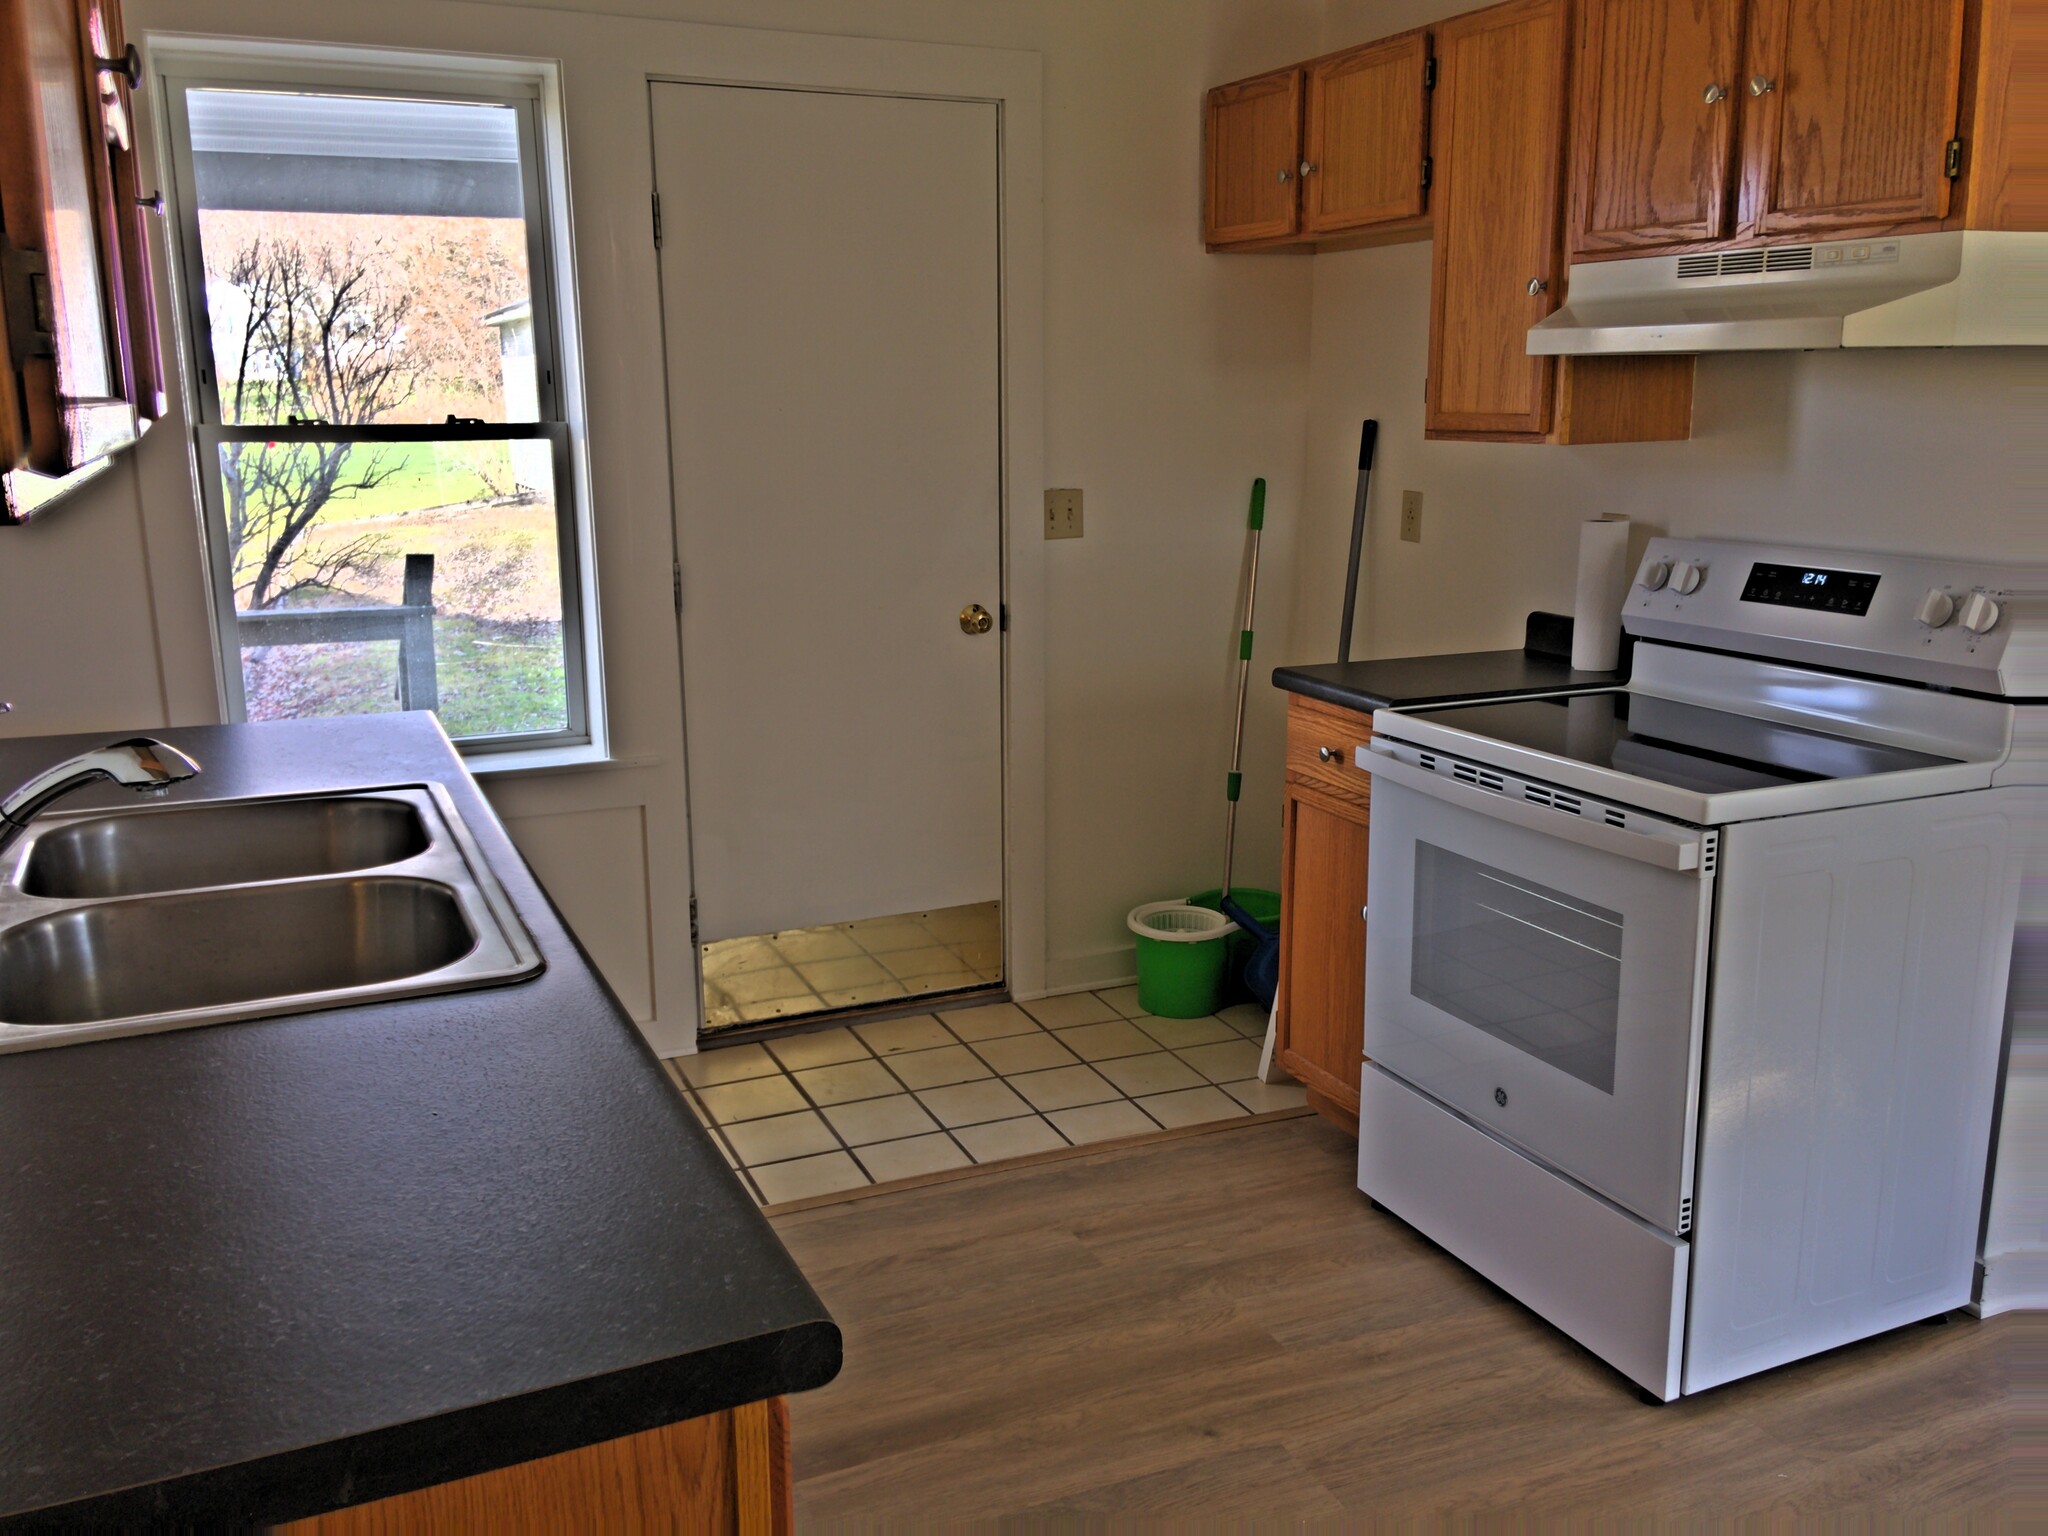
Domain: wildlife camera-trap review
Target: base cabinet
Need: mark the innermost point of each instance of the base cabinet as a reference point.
(1326, 806)
(725, 1474)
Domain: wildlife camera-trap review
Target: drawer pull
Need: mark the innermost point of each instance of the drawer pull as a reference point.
(1330, 754)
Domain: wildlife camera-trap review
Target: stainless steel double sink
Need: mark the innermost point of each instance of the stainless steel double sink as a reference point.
(127, 922)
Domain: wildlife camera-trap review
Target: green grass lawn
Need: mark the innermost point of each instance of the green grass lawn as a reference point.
(495, 679)
(423, 476)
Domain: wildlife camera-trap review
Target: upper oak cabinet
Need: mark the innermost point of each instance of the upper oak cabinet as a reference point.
(1654, 105)
(1336, 147)
(1365, 136)
(78, 360)
(1496, 265)
(1253, 141)
(1704, 121)
(1848, 110)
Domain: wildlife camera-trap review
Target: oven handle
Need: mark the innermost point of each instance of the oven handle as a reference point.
(1680, 849)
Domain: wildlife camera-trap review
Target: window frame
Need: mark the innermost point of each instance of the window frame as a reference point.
(308, 71)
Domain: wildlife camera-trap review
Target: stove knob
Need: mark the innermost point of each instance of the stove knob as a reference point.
(1980, 613)
(1936, 608)
(1655, 574)
(1686, 577)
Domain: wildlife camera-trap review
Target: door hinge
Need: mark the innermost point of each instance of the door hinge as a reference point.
(1428, 169)
(656, 197)
(676, 582)
(693, 921)
(1429, 73)
(1952, 164)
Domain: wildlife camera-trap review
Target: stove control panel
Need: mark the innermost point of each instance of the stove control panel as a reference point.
(1950, 623)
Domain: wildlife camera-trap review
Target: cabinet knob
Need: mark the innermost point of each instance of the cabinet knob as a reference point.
(1714, 93)
(1330, 754)
(1538, 285)
(1761, 85)
(1283, 175)
(1308, 168)
(128, 65)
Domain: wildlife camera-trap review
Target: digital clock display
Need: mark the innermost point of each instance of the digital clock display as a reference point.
(1807, 586)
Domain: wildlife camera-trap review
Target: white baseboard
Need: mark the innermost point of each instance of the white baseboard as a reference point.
(2015, 1281)
(1116, 966)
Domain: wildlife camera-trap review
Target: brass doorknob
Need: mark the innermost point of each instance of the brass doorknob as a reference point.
(976, 620)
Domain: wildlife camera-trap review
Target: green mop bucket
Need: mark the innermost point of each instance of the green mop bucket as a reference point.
(1183, 954)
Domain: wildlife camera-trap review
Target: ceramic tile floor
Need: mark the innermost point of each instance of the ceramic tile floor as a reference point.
(839, 1109)
(851, 965)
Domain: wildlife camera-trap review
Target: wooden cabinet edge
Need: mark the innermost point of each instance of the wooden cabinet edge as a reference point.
(2004, 182)
(1344, 1117)
(723, 1472)
(1330, 1095)
(1404, 232)
(1645, 399)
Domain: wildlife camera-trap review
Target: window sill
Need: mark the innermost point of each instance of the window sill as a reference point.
(544, 760)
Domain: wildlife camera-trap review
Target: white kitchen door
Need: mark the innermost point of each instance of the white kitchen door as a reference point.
(831, 294)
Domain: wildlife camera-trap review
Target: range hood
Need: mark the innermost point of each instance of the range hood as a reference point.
(1960, 288)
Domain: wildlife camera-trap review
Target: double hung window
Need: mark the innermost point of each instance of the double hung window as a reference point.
(383, 449)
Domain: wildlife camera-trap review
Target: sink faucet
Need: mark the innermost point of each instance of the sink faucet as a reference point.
(149, 767)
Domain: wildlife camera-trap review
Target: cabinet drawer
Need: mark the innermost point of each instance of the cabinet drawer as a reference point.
(1322, 746)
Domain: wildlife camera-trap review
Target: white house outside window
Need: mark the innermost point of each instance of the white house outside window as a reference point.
(383, 451)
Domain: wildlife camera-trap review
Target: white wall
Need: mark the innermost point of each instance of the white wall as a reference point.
(1934, 452)
(1172, 378)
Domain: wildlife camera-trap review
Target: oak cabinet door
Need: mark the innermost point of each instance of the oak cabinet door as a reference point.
(1365, 136)
(1253, 146)
(1499, 129)
(1321, 1035)
(78, 343)
(1654, 110)
(1848, 109)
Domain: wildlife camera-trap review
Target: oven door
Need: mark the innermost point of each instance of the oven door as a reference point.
(1536, 960)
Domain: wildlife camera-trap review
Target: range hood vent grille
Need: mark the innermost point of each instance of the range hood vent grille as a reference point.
(1947, 288)
(1776, 258)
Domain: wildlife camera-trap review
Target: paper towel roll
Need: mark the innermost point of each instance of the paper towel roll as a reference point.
(1603, 584)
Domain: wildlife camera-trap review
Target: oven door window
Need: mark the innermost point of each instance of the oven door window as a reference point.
(1533, 967)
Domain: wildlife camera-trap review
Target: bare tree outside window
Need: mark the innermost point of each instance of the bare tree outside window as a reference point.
(322, 340)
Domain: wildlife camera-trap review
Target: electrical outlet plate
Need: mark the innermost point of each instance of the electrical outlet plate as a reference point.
(1411, 516)
(1063, 514)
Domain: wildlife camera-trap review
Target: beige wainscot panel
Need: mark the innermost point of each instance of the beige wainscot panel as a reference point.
(594, 865)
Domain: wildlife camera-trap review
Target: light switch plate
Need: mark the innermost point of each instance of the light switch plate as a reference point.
(1411, 516)
(1063, 514)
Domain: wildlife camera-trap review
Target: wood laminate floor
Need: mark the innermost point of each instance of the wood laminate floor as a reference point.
(1221, 1328)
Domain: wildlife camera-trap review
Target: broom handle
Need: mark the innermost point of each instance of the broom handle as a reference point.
(1254, 523)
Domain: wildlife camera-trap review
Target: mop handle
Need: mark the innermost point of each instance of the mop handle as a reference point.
(1254, 524)
(1368, 439)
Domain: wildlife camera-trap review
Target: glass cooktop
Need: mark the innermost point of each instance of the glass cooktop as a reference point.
(1683, 745)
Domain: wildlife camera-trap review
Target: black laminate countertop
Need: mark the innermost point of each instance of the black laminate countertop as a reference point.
(1543, 665)
(1409, 681)
(257, 1271)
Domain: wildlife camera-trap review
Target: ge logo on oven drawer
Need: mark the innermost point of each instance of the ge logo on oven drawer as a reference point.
(1500, 1097)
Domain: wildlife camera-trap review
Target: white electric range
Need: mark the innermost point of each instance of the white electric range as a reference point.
(1684, 1001)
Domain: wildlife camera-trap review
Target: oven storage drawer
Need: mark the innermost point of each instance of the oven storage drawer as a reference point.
(1614, 1283)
